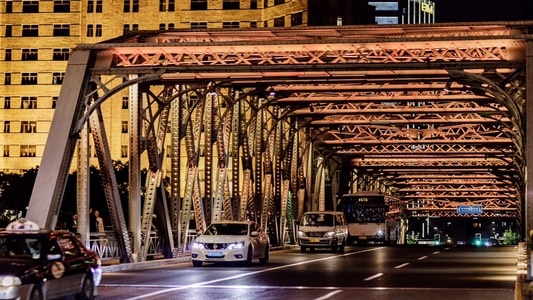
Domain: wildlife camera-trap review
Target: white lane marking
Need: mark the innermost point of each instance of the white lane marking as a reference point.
(329, 295)
(246, 274)
(401, 266)
(423, 257)
(374, 276)
(436, 252)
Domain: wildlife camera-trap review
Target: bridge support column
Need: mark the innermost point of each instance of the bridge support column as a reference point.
(529, 156)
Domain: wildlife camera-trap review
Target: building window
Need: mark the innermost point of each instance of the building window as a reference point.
(61, 5)
(230, 24)
(28, 78)
(27, 150)
(9, 30)
(90, 30)
(198, 4)
(99, 6)
(57, 77)
(7, 102)
(162, 26)
(163, 6)
(124, 151)
(28, 127)
(9, 6)
(7, 56)
(278, 2)
(265, 4)
(30, 6)
(61, 29)
(7, 126)
(28, 102)
(198, 24)
(134, 27)
(127, 6)
(170, 26)
(98, 31)
(54, 101)
(297, 19)
(124, 126)
(253, 24)
(61, 54)
(125, 102)
(90, 6)
(253, 4)
(30, 54)
(231, 4)
(125, 28)
(279, 22)
(7, 78)
(30, 30)
(6, 150)
(135, 6)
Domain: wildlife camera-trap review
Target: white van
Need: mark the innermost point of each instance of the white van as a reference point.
(323, 229)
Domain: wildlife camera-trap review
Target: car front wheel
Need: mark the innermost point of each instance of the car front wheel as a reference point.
(36, 293)
(196, 263)
(249, 257)
(266, 256)
(87, 289)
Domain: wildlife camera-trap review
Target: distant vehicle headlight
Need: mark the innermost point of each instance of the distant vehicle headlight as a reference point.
(301, 233)
(380, 232)
(9, 281)
(329, 234)
(198, 245)
(236, 245)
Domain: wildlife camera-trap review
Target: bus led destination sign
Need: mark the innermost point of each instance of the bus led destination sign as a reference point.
(470, 210)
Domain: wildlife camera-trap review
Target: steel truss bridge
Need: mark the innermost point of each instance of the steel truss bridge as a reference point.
(268, 123)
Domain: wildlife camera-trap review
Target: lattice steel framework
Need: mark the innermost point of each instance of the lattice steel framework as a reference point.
(434, 114)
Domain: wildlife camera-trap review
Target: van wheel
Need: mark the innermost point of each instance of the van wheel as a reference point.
(341, 247)
(302, 249)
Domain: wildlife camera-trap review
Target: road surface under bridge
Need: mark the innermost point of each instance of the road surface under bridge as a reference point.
(269, 123)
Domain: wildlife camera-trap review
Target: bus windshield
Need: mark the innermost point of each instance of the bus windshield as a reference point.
(363, 209)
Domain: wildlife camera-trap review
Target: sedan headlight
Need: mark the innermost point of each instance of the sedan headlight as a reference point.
(236, 245)
(10, 281)
(301, 233)
(198, 245)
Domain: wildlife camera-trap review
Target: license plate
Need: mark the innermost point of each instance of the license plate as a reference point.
(215, 254)
(314, 240)
(362, 237)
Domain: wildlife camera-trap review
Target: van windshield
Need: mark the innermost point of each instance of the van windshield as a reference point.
(318, 220)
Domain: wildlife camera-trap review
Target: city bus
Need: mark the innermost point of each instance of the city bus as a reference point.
(370, 218)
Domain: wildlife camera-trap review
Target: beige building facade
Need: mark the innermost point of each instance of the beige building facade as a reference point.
(36, 37)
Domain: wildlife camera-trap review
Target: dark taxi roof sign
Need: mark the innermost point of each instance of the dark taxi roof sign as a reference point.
(470, 210)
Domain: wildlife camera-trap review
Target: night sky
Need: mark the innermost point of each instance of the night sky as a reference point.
(483, 10)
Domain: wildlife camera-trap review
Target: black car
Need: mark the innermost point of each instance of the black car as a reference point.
(42, 264)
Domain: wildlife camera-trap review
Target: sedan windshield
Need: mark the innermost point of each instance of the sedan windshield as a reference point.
(227, 229)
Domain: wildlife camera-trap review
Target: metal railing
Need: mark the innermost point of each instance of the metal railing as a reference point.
(105, 244)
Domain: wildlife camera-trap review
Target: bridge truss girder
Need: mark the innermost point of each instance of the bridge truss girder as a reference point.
(391, 101)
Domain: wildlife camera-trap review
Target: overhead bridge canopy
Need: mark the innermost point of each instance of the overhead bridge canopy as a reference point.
(435, 114)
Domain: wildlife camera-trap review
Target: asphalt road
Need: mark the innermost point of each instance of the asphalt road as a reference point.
(396, 272)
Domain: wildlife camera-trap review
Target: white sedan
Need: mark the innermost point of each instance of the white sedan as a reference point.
(231, 241)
